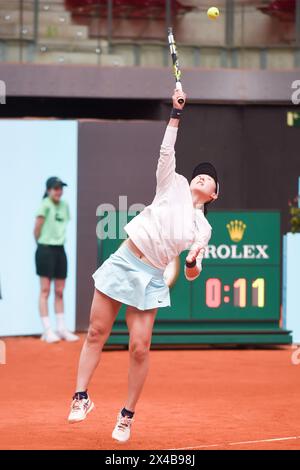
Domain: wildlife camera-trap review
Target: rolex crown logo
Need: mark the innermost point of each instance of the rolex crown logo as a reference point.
(236, 229)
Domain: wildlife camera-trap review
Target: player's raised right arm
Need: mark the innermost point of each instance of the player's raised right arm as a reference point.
(166, 163)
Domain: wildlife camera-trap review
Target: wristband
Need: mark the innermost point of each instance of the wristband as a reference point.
(175, 113)
(191, 264)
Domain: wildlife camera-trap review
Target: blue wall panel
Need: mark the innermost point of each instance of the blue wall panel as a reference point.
(31, 151)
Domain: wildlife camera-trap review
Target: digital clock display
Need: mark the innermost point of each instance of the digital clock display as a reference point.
(242, 292)
(214, 290)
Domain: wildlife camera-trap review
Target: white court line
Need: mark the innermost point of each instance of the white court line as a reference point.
(222, 444)
(264, 440)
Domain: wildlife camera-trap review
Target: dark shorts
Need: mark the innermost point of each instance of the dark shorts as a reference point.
(51, 261)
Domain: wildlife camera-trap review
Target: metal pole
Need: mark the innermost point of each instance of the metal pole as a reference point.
(36, 22)
(109, 23)
(243, 35)
(229, 26)
(297, 24)
(21, 30)
(98, 50)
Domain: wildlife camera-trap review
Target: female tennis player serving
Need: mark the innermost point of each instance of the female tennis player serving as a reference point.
(133, 275)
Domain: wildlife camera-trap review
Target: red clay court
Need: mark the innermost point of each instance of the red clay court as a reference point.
(193, 399)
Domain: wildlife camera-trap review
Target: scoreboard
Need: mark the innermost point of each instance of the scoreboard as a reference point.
(241, 271)
(236, 298)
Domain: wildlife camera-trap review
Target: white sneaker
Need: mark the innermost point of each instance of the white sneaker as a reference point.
(50, 337)
(80, 409)
(121, 432)
(67, 335)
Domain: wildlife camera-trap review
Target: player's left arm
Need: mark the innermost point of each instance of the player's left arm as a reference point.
(193, 262)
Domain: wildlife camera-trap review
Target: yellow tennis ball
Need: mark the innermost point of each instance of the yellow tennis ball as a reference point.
(213, 13)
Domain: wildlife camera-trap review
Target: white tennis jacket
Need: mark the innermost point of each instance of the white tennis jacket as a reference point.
(170, 224)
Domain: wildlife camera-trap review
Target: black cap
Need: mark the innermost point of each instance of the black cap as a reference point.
(53, 182)
(207, 168)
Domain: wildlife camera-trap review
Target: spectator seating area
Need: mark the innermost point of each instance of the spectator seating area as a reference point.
(55, 34)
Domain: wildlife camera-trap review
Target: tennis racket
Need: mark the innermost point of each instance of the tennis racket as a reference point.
(176, 68)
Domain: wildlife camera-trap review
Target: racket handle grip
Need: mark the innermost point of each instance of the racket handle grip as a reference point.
(179, 87)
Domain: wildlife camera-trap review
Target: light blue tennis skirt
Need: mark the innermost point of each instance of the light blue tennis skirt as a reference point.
(126, 278)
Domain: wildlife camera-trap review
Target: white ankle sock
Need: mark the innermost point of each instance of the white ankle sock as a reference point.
(46, 323)
(60, 321)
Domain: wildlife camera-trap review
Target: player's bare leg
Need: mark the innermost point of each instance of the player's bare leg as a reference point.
(140, 326)
(103, 314)
(104, 311)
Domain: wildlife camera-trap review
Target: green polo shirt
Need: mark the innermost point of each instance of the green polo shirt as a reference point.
(54, 227)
